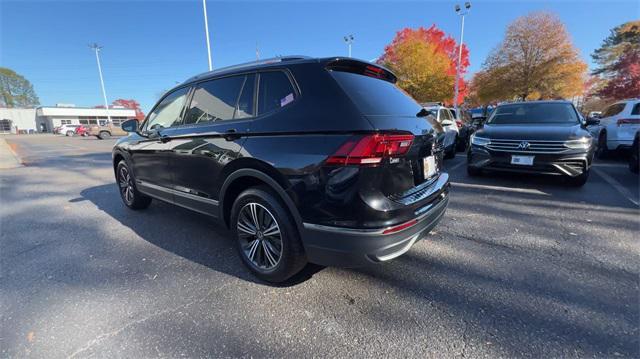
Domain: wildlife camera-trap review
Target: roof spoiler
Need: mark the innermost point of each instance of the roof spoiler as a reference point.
(362, 68)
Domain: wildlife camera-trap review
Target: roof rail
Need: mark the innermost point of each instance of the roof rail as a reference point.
(249, 64)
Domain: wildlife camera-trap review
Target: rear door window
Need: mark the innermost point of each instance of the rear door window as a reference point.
(613, 110)
(636, 109)
(275, 91)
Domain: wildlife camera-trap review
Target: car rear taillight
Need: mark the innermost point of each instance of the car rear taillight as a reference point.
(459, 123)
(628, 121)
(371, 149)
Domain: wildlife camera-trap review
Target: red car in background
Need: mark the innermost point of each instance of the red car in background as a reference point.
(82, 131)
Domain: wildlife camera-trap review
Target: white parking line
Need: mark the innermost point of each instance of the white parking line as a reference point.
(499, 188)
(618, 187)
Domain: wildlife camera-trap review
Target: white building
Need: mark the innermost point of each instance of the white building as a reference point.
(20, 118)
(44, 119)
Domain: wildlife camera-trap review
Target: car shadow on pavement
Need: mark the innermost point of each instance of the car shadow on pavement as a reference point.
(193, 236)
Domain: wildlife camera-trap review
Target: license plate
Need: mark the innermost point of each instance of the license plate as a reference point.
(522, 160)
(429, 164)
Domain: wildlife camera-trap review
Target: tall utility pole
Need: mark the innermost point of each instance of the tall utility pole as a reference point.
(349, 40)
(257, 52)
(461, 12)
(206, 31)
(97, 49)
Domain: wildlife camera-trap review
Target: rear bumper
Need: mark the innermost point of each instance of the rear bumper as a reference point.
(349, 247)
(571, 163)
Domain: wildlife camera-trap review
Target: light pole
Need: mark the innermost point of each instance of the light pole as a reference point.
(206, 31)
(349, 40)
(97, 49)
(461, 12)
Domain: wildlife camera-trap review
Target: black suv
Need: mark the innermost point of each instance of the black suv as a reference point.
(306, 160)
(546, 137)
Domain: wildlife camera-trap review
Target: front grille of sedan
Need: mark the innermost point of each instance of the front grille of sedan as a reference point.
(527, 146)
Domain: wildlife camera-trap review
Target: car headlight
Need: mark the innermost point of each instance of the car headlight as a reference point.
(479, 141)
(582, 143)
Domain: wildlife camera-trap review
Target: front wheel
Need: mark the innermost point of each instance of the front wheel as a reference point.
(267, 238)
(579, 180)
(70, 133)
(129, 193)
(451, 153)
(602, 151)
(104, 135)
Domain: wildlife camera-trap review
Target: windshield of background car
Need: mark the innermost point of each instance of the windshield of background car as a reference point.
(532, 113)
(376, 97)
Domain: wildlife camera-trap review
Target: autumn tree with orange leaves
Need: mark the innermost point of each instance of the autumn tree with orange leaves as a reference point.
(425, 62)
(536, 60)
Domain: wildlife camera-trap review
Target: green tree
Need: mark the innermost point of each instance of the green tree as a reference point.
(15, 90)
(623, 38)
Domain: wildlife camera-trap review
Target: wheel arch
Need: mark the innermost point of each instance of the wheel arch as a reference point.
(243, 178)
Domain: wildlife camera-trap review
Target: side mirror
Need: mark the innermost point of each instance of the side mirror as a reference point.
(130, 126)
(446, 122)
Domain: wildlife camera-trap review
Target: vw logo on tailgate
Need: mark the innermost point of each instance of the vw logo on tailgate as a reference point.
(524, 145)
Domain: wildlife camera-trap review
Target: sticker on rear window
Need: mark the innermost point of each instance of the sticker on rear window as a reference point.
(286, 100)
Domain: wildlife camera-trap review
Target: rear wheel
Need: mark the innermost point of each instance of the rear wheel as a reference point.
(602, 151)
(70, 133)
(104, 135)
(267, 238)
(129, 193)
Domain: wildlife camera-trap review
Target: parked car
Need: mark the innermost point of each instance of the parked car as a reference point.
(595, 114)
(297, 180)
(106, 131)
(82, 130)
(547, 137)
(617, 127)
(56, 130)
(68, 130)
(444, 117)
(634, 156)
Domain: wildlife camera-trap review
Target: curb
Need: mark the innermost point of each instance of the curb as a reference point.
(8, 157)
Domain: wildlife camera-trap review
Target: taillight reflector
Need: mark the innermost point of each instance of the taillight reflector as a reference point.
(400, 227)
(370, 149)
(459, 123)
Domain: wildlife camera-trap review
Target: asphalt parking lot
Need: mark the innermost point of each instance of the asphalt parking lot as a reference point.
(520, 266)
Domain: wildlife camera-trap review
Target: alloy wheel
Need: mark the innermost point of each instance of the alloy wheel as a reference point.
(126, 184)
(260, 236)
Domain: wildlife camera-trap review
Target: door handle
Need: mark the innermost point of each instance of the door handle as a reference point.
(165, 139)
(231, 134)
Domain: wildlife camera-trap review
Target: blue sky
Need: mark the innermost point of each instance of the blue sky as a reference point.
(151, 45)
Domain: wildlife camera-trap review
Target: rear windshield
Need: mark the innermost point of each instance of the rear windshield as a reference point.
(376, 97)
(534, 113)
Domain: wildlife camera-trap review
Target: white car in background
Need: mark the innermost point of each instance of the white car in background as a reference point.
(617, 127)
(68, 130)
(444, 116)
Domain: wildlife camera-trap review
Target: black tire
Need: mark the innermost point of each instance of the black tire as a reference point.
(579, 180)
(104, 135)
(70, 133)
(130, 195)
(451, 153)
(268, 207)
(473, 171)
(462, 145)
(634, 156)
(602, 151)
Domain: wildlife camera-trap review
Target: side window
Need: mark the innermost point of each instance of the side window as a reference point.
(613, 110)
(275, 91)
(215, 100)
(167, 113)
(444, 115)
(636, 109)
